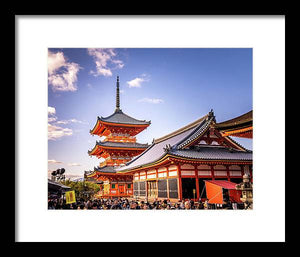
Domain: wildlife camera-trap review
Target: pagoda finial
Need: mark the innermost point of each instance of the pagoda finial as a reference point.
(118, 95)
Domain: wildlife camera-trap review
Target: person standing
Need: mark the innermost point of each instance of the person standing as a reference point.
(205, 205)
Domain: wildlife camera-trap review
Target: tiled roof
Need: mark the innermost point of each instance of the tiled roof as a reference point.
(157, 149)
(121, 144)
(213, 153)
(108, 169)
(120, 117)
(201, 128)
(238, 122)
(57, 184)
(174, 142)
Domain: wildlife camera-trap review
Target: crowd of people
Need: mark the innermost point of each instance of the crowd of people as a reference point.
(132, 204)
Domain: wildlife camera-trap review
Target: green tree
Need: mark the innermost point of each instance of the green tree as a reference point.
(83, 189)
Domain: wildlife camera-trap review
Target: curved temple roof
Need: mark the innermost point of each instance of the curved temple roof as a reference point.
(238, 122)
(118, 145)
(214, 153)
(121, 144)
(107, 169)
(157, 149)
(201, 128)
(174, 143)
(104, 169)
(120, 117)
(154, 152)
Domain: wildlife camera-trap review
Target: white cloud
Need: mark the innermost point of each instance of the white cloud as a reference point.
(137, 82)
(55, 61)
(62, 122)
(70, 121)
(54, 161)
(74, 164)
(56, 132)
(105, 61)
(151, 100)
(102, 71)
(51, 119)
(51, 112)
(119, 63)
(75, 121)
(62, 75)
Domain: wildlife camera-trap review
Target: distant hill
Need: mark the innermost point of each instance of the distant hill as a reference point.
(77, 179)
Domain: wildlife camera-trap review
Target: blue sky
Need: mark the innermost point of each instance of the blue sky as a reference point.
(169, 86)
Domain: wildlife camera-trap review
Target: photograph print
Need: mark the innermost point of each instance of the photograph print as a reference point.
(150, 129)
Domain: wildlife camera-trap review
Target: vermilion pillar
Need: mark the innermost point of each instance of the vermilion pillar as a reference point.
(212, 172)
(179, 182)
(197, 183)
(227, 171)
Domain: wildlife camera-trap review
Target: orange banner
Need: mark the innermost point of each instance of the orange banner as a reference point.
(214, 193)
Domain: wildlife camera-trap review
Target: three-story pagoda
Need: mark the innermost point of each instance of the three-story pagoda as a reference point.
(118, 147)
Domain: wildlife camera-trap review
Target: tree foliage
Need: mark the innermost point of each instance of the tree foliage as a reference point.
(83, 189)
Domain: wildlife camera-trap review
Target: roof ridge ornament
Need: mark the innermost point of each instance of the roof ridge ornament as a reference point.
(211, 115)
(167, 148)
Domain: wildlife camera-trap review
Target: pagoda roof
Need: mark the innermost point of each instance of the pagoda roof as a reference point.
(106, 169)
(121, 144)
(119, 117)
(118, 145)
(92, 175)
(88, 175)
(174, 144)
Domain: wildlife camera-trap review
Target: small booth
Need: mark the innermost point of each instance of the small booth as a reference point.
(56, 189)
(222, 191)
